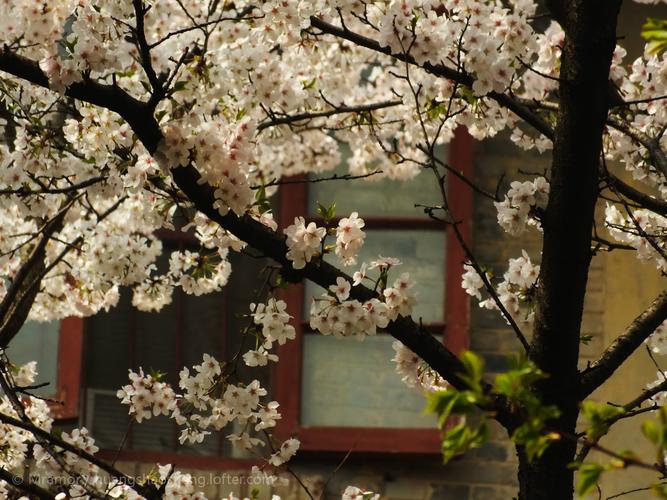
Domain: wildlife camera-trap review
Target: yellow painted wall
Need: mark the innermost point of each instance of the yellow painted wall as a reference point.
(629, 286)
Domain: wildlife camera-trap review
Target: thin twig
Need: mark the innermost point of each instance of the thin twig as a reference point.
(288, 119)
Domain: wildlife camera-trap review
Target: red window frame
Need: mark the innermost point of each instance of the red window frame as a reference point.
(69, 372)
(286, 375)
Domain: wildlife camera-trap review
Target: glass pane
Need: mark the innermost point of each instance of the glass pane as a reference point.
(106, 419)
(378, 198)
(38, 342)
(422, 253)
(354, 384)
(157, 434)
(156, 337)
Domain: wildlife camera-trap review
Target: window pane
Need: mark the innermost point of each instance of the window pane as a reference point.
(353, 384)
(423, 255)
(38, 342)
(377, 198)
(106, 419)
(108, 335)
(372, 196)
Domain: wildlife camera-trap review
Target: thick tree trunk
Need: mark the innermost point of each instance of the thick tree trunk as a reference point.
(590, 38)
(548, 478)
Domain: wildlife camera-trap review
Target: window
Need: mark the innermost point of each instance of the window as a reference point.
(341, 394)
(177, 336)
(38, 342)
(56, 346)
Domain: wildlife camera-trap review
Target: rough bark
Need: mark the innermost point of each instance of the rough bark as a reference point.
(568, 221)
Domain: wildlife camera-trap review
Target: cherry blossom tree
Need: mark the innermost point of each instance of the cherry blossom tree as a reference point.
(120, 115)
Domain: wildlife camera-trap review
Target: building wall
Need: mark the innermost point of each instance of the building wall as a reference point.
(619, 288)
(631, 286)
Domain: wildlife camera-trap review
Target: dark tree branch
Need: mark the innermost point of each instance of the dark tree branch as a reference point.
(624, 345)
(147, 491)
(16, 304)
(272, 245)
(145, 54)
(471, 184)
(652, 145)
(568, 221)
(289, 119)
(139, 116)
(643, 199)
(74, 187)
(242, 15)
(643, 101)
(644, 396)
(27, 487)
(334, 177)
(135, 112)
(631, 409)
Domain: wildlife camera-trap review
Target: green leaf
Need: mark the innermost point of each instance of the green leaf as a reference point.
(599, 416)
(589, 476)
(436, 110)
(467, 94)
(157, 374)
(310, 84)
(446, 403)
(462, 438)
(651, 431)
(240, 114)
(327, 213)
(659, 490)
(654, 32)
(262, 200)
(179, 85)
(517, 385)
(146, 86)
(474, 371)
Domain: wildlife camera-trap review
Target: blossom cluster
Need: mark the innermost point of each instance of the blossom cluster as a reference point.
(273, 319)
(208, 402)
(515, 212)
(657, 341)
(222, 152)
(86, 480)
(307, 241)
(660, 398)
(147, 396)
(21, 447)
(349, 238)
(18, 441)
(643, 230)
(515, 292)
(415, 372)
(641, 81)
(354, 493)
(334, 313)
(230, 99)
(303, 242)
